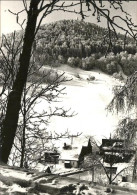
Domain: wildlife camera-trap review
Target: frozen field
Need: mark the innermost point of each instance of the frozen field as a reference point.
(88, 100)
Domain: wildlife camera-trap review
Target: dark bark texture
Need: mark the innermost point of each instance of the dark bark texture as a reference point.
(14, 100)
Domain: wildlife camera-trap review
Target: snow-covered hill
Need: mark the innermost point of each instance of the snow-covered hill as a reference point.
(88, 99)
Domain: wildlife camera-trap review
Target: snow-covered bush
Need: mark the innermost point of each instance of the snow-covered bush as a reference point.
(118, 76)
(71, 61)
(74, 62)
(111, 67)
(88, 63)
(128, 62)
(109, 64)
(61, 59)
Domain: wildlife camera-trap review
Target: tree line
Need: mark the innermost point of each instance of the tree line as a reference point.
(73, 38)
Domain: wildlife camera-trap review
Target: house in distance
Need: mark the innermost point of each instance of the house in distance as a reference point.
(51, 157)
(114, 151)
(72, 157)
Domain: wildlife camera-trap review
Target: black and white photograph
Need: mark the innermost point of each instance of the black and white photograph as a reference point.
(68, 97)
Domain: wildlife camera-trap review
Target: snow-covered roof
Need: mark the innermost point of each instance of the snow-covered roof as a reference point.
(72, 154)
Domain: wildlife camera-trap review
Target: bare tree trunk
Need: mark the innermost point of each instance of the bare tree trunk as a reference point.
(23, 148)
(93, 173)
(134, 168)
(14, 99)
(110, 177)
(23, 140)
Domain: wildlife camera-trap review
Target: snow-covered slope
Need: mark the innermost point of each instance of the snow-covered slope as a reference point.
(15, 181)
(88, 100)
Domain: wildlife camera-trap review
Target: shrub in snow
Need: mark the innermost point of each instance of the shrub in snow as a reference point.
(118, 76)
(101, 65)
(111, 67)
(52, 76)
(61, 59)
(87, 63)
(129, 66)
(71, 61)
(91, 78)
(78, 76)
(74, 62)
(78, 62)
(67, 189)
(83, 187)
(109, 190)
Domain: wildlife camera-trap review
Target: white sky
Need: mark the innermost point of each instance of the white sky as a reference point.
(8, 21)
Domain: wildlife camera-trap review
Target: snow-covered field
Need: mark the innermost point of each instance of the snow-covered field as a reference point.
(14, 181)
(88, 100)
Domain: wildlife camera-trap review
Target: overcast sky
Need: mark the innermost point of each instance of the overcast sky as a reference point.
(8, 21)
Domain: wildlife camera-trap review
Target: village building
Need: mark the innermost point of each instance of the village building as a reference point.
(115, 150)
(72, 157)
(85, 151)
(117, 158)
(51, 157)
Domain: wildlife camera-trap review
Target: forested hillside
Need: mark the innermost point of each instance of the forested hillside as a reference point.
(84, 45)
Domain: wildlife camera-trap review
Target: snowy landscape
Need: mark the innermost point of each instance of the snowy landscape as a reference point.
(89, 101)
(68, 97)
